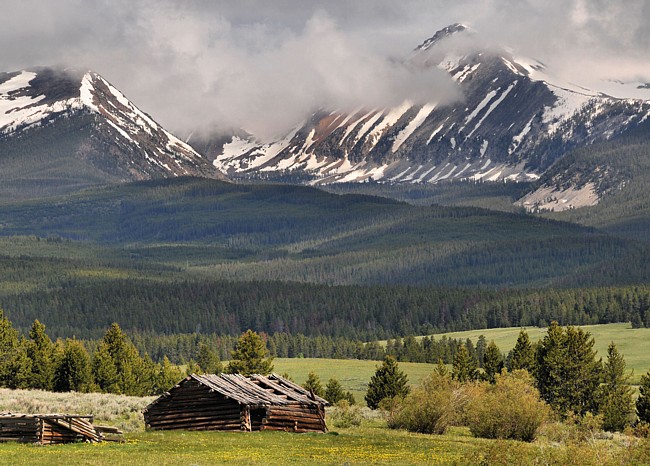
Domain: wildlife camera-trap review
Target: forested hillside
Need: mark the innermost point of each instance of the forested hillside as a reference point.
(88, 299)
(293, 233)
(190, 255)
(625, 209)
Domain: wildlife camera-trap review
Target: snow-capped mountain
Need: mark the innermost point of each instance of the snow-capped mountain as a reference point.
(514, 121)
(48, 114)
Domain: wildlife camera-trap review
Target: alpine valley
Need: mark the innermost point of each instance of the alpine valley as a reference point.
(526, 183)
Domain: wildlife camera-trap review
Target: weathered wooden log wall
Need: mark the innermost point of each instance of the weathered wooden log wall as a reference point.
(20, 429)
(194, 407)
(47, 428)
(235, 402)
(294, 418)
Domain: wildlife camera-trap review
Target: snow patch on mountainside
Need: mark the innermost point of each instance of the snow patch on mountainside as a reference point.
(568, 104)
(493, 105)
(367, 126)
(17, 109)
(422, 115)
(388, 121)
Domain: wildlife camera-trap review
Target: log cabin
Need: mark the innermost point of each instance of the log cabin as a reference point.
(47, 429)
(235, 402)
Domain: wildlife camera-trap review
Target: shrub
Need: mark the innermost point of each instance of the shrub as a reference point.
(509, 409)
(345, 415)
(574, 429)
(430, 408)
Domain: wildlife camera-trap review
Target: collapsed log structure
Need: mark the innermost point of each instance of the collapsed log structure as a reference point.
(47, 429)
(235, 402)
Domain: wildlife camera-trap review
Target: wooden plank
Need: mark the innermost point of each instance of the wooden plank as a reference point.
(289, 392)
(195, 408)
(232, 413)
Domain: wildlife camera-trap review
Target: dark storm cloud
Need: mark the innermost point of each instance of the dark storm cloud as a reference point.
(265, 65)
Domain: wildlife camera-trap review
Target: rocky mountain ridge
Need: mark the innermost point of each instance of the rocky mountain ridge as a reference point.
(514, 122)
(80, 119)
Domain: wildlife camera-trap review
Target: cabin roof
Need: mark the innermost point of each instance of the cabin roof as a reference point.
(254, 390)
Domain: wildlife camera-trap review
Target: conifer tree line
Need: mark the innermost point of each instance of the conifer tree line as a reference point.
(563, 366)
(356, 312)
(184, 347)
(115, 365)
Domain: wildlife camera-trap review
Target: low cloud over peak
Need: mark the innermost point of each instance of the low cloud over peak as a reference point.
(264, 66)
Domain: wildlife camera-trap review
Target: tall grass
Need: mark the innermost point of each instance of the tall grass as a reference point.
(124, 412)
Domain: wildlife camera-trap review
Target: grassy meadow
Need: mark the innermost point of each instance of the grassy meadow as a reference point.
(371, 443)
(633, 343)
(353, 374)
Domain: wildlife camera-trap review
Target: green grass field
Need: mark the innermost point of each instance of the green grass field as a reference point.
(634, 344)
(354, 375)
(372, 443)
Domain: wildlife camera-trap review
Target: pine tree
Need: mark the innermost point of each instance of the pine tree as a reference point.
(73, 373)
(192, 367)
(492, 362)
(314, 385)
(15, 366)
(643, 401)
(522, 355)
(566, 370)
(615, 394)
(481, 348)
(166, 377)
(334, 391)
(412, 350)
(208, 361)
(465, 368)
(40, 350)
(250, 356)
(441, 369)
(104, 371)
(117, 366)
(388, 382)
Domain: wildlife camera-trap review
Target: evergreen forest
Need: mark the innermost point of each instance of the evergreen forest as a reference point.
(190, 256)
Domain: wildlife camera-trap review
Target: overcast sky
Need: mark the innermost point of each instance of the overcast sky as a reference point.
(264, 65)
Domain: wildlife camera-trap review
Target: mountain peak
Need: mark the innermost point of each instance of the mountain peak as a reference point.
(93, 132)
(443, 34)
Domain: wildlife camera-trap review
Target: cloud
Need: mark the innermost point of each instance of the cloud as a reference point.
(264, 66)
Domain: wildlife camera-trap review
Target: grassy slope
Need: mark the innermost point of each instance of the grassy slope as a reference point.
(353, 374)
(634, 344)
(372, 443)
